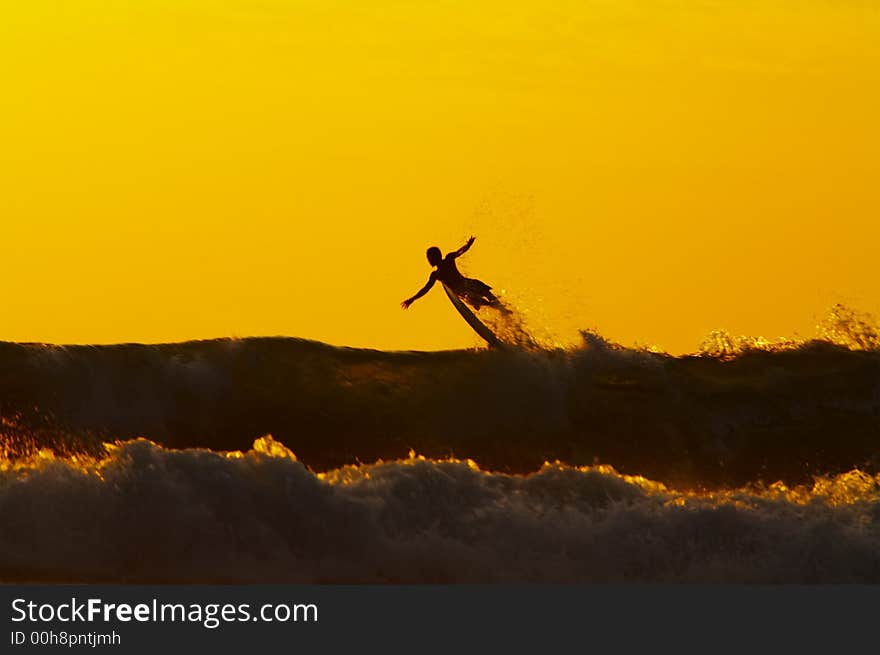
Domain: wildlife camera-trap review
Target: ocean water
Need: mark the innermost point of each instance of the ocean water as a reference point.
(282, 460)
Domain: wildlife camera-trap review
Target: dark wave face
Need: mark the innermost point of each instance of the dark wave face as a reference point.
(755, 463)
(696, 421)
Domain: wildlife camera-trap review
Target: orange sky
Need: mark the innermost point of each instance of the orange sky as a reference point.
(654, 169)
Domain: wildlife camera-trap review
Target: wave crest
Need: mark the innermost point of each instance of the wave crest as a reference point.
(738, 413)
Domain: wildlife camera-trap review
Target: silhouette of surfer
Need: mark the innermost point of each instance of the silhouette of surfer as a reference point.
(475, 292)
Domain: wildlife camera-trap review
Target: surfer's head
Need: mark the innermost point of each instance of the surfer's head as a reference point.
(434, 256)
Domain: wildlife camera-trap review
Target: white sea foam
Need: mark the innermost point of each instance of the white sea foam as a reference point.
(148, 514)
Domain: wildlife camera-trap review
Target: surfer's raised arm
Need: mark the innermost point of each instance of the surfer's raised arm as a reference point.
(425, 289)
(463, 249)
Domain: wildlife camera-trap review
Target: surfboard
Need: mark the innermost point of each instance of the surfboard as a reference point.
(470, 318)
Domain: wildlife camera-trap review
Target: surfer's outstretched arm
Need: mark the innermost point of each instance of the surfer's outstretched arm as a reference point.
(421, 292)
(463, 249)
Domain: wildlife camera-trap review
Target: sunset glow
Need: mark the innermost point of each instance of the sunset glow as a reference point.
(180, 170)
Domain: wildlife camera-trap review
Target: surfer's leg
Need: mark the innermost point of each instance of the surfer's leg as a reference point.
(479, 294)
(484, 292)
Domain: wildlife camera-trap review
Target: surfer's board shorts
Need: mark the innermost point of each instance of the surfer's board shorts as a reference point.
(476, 292)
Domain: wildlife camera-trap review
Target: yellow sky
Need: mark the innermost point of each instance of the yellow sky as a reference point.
(656, 169)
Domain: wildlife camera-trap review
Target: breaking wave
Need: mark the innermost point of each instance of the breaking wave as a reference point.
(741, 411)
(750, 461)
(144, 513)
